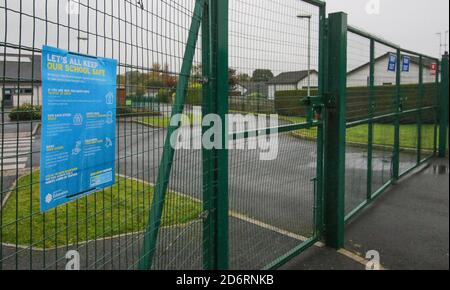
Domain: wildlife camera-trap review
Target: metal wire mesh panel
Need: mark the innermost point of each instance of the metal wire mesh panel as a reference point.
(148, 39)
(273, 55)
(271, 202)
(430, 103)
(358, 77)
(268, 55)
(411, 99)
(384, 128)
(408, 141)
(358, 108)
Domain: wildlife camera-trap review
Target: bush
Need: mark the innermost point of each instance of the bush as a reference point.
(164, 96)
(194, 97)
(26, 112)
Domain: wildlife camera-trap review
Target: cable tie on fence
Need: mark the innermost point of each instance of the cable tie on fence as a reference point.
(204, 81)
(204, 215)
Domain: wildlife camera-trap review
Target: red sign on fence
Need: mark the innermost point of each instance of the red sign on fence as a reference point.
(433, 68)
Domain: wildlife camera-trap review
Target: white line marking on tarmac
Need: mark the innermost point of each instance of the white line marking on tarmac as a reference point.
(356, 258)
(13, 167)
(13, 160)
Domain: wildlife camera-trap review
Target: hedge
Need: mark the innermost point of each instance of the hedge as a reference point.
(289, 103)
(26, 112)
(194, 97)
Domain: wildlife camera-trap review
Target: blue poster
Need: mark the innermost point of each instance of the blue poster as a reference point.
(392, 66)
(406, 63)
(78, 126)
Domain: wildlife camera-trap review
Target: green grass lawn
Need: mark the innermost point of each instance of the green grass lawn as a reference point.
(121, 209)
(383, 134)
(164, 122)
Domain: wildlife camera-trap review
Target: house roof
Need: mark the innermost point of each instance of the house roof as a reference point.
(414, 59)
(289, 78)
(29, 67)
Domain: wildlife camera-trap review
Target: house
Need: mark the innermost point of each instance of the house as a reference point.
(250, 88)
(290, 81)
(359, 76)
(20, 77)
(152, 93)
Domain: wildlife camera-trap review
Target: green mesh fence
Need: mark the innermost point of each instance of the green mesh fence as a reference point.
(106, 228)
(391, 112)
(197, 208)
(272, 203)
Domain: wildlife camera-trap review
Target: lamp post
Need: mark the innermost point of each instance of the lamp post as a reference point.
(439, 34)
(308, 16)
(445, 42)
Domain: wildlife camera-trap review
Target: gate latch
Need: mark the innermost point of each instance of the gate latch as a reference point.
(314, 108)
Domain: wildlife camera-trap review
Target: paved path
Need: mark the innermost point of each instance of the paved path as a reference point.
(408, 225)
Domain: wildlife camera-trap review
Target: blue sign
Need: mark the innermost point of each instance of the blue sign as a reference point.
(78, 126)
(406, 63)
(392, 66)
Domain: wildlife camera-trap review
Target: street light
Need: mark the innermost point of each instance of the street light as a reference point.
(439, 34)
(445, 42)
(308, 16)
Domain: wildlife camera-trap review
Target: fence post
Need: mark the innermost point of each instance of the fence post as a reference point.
(207, 156)
(218, 10)
(437, 110)
(420, 113)
(335, 126)
(371, 114)
(398, 110)
(443, 115)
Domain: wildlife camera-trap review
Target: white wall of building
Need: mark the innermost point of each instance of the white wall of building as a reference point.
(303, 84)
(360, 77)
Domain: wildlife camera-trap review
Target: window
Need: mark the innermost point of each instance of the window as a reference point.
(22, 91)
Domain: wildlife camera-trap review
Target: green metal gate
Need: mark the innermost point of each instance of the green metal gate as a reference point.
(346, 130)
(392, 116)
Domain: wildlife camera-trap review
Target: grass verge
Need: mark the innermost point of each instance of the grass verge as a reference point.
(383, 134)
(121, 209)
(164, 121)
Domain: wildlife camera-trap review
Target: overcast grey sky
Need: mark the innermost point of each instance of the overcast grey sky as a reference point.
(413, 24)
(264, 34)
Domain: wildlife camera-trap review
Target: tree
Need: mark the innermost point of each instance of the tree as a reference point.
(243, 78)
(196, 72)
(262, 75)
(232, 78)
(169, 80)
